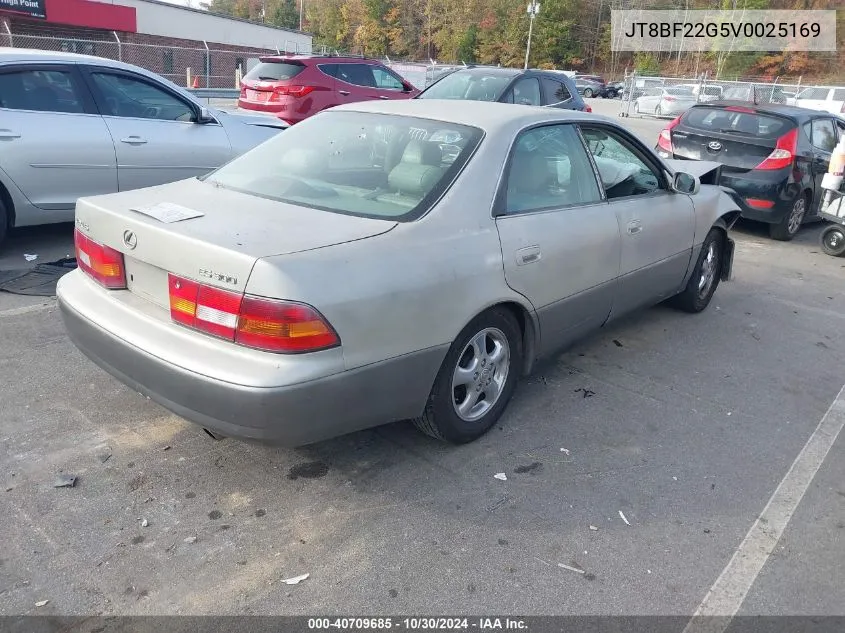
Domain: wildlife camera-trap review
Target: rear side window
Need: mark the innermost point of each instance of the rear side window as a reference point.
(824, 134)
(738, 121)
(274, 71)
(526, 91)
(41, 91)
(814, 93)
(556, 91)
(356, 74)
(839, 94)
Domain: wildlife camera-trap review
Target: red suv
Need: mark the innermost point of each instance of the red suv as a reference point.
(295, 87)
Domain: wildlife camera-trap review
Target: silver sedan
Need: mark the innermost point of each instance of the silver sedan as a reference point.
(74, 125)
(387, 261)
(665, 101)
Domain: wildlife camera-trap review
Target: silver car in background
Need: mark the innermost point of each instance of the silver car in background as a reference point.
(74, 125)
(383, 261)
(665, 101)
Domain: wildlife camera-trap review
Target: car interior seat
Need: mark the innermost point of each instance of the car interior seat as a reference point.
(418, 171)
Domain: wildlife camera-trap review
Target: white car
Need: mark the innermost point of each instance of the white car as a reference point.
(704, 92)
(665, 101)
(825, 98)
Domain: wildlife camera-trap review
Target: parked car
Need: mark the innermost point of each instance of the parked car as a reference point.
(295, 87)
(639, 85)
(754, 93)
(825, 98)
(773, 156)
(508, 85)
(384, 264)
(665, 101)
(704, 93)
(74, 125)
(614, 89)
(590, 88)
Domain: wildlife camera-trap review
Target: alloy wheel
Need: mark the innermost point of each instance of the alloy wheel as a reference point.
(480, 374)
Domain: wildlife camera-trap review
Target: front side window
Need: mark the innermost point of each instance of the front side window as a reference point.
(41, 91)
(549, 169)
(386, 80)
(355, 163)
(819, 94)
(526, 91)
(126, 96)
(824, 134)
(622, 171)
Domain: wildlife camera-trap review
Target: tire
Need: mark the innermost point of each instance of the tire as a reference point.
(453, 412)
(788, 228)
(4, 221)
(588, 93)
(658, 111)
(705, 276)
(833, 240)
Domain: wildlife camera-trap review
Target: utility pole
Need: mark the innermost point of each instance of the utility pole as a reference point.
(533, 10)
(301, 9)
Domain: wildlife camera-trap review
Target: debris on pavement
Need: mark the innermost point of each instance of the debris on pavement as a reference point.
(500, 476)
(618, 343)
(65, 481)
(594, 528)
(30, 258)
(295, 580)
(41, 603)
(588, 393)
(622, 516)
(575, 569)
(144, 523)
(166, 448)
(565, 451)
(191, 539)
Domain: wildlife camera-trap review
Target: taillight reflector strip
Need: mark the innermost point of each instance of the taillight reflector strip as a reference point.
(759, 203)
(267, 324)
(102, 263)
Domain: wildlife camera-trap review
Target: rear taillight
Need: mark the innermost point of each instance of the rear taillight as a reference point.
(587, 108)
(243, 91)
(758, 203)
(669, 98)
(100, 262)
(664, 140)
(266, 324)
(843, 108)
(784, 152)
(292, 91)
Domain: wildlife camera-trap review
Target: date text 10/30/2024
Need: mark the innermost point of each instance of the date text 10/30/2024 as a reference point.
(418, 624)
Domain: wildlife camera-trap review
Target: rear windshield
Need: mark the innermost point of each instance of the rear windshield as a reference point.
(274, 71)
(471, 86)
(680, 92)
(736, 121)
(355, 163)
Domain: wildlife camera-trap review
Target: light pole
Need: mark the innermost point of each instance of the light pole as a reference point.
(533, 10)
(301, 10)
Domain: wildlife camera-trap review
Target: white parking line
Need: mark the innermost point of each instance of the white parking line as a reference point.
(731, 587)
(27, 309)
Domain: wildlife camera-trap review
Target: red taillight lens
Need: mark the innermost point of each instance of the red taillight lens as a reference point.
(292, 91)
(843, 108)
(664, 140)
(587, 108)
(784, 152)
(99, 261)
(669, 98)
(757, 203)
(280, 326)
(266, 324)
(243, 91)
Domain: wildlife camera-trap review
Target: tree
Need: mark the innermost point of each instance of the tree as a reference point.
(284, 14)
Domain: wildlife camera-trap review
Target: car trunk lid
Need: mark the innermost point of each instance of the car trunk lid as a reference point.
(220, 247)
(267, 76)
(738, 137)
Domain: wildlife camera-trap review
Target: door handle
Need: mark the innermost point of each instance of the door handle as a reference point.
(383, 97)
(133, 140)
(345, 93)
(634, 227)
(9, 134)
(528, 255)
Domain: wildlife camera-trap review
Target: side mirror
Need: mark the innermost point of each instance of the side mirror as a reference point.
(407, 87)
(205, 116)
(685, 183)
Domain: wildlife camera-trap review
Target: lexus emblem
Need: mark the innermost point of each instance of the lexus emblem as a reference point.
(714, 145)
(130, 239)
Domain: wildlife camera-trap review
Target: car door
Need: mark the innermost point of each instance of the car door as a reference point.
(156, 136)
(524, 91)
(657, 226)
(823, 140)
(560, 240)
(355, 82)
(388, 84)
(54, 145)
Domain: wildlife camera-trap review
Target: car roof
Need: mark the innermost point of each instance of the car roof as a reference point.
(487, 115)
(793, 112)
(335, 59)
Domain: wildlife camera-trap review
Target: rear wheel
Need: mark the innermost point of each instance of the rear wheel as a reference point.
(476, 380)
(833, 240)
(788, 228)
(588, 93)
(705, 276)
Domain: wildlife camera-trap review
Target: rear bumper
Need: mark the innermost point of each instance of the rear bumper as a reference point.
(775, 187)
(286, 414)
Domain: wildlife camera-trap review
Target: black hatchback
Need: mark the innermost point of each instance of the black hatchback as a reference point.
(774, 156)
(508, 85)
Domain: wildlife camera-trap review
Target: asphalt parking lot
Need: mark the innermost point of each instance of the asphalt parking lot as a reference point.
(692, 425)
